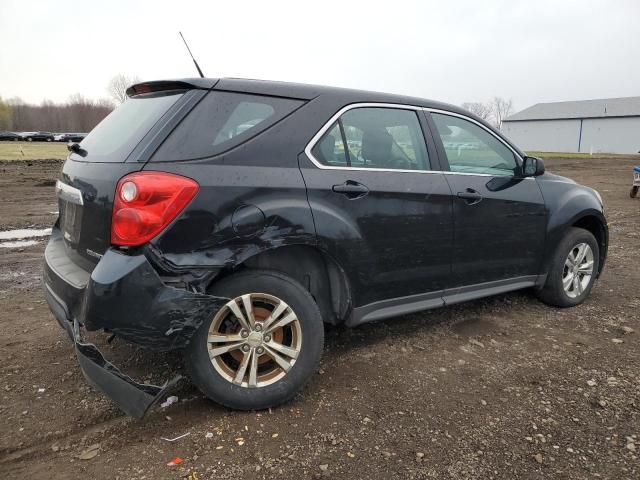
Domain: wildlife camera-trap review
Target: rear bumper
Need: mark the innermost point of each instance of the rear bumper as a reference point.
(124, 295)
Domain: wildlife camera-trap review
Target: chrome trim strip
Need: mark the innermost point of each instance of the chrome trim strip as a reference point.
(329, 123)
(69, 193)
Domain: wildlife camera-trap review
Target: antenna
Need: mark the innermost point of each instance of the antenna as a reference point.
(194, 60)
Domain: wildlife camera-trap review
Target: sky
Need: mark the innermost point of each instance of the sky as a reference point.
(453, 51)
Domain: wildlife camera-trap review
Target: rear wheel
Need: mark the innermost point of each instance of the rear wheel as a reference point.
(262, 346)
(634, 191)
(573, 270)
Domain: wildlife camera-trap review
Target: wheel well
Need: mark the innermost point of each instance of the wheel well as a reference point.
(595, 226)
(315, 271)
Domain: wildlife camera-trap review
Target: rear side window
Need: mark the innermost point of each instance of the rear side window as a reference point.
(113, 139)
(221, 121)
(330, 149)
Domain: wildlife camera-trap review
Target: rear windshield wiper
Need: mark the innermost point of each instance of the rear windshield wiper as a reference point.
(76, 148)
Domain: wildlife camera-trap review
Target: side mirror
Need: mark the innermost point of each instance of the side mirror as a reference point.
(532, 167)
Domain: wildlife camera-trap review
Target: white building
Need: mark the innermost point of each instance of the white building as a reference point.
(608, 125)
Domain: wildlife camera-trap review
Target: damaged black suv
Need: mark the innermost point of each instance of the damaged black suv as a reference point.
(230, 219)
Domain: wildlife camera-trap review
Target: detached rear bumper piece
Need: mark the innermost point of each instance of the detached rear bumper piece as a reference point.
(124, 295)
(133, 398)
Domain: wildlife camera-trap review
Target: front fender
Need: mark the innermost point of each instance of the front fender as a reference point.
(568, 205)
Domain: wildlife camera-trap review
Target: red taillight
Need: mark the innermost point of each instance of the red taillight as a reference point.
(145, 203)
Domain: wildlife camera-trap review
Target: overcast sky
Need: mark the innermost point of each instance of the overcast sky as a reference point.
(455, 51)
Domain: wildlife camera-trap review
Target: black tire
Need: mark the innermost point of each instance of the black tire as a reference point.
(634, 191)
(29, 139)
(553, 292)
(221, 390)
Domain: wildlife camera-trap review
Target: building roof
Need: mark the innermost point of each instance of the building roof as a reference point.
(598, 108)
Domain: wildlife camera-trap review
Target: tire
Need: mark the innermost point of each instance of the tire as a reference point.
(554, 293)
(634, 191)
(213, 376)
(29, 139)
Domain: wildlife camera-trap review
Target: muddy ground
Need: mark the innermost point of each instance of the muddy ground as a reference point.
(504, 387)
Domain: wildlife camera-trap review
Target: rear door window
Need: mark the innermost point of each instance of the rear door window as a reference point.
(377, 138)
(115, 137)
(221, 121)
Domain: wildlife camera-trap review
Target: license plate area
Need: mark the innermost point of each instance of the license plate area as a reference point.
(70, 205)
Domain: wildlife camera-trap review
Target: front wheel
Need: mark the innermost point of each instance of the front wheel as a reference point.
(573, 270)
(262, 346)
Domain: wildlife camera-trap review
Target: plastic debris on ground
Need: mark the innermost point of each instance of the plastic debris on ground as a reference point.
(170, 400)
(177, 438)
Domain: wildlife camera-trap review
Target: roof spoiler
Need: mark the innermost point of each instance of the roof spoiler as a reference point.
(164, 85)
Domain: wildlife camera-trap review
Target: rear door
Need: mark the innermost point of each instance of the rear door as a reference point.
(381, 207)
(499, 218)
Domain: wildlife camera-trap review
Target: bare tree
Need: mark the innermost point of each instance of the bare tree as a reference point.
(118, 86)
(479, 109)
(501, 108)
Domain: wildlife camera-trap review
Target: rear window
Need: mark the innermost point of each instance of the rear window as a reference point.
(113, 139)
(221, 121)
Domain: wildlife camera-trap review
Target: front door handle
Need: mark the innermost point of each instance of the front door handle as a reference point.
(470, 196)
(351, 189)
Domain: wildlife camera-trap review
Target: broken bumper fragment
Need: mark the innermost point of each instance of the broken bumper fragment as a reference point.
(133, 398)
(124, 295)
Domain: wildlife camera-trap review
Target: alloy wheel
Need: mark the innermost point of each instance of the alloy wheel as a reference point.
(578, 270)
(254, 340)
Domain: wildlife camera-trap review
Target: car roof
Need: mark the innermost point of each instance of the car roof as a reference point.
(298, 90)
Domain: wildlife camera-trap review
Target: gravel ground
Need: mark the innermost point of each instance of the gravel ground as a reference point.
(503, 388)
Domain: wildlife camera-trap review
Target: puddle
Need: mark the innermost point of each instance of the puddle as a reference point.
(18, 244)
(24, 233)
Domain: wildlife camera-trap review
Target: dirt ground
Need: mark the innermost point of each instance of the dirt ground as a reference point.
(503, 388)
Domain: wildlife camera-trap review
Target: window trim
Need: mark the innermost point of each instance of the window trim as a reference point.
(316, 138)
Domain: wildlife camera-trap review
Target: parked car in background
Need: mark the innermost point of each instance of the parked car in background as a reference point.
(237, 225)
(37, 136)
(75, 137)
(69, 137)
(5, 135)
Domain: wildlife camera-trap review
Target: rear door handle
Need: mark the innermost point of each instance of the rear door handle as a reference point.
(470, 196)
(351, 189)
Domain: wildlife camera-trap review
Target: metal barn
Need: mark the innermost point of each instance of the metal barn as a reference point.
(608, 125)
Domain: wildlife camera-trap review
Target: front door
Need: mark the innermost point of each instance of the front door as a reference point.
(380, 206)
(499, 217)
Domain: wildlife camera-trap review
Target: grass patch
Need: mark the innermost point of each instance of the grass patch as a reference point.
(580, 155)
(33, 151)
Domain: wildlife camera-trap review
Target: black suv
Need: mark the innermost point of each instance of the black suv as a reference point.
(37, 136)
(231, 218)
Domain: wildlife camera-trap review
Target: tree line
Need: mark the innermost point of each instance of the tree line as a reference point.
(77, 114)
